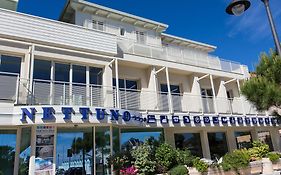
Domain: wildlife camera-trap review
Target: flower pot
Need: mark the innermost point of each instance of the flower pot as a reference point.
(277, 165)
(267, 166)
(256, 167)
(193, 171)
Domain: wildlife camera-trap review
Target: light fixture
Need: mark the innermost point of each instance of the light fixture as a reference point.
(237, 7)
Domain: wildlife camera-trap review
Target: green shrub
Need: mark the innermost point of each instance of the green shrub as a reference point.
(166, 156)
(258, 151)
(179, 170)
(184, 157)
(273, 157)
(144, 160)
(200, 165)
(238, 159)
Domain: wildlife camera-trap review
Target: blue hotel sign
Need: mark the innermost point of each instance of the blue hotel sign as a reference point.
(127, 116)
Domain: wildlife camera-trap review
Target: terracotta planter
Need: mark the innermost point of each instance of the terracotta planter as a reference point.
(256, 167)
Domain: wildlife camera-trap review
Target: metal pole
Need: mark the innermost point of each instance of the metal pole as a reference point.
(272, 25)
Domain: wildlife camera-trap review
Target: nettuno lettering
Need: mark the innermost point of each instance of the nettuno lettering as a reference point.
(114, 114)
(85, 113)
(100, 113)
(30, 114)
(48, 113)
(126, 116)
(67, 111)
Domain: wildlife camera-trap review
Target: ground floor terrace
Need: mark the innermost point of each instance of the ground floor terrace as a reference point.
(66, 139)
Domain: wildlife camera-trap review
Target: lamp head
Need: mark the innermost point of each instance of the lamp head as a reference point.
(237, 7)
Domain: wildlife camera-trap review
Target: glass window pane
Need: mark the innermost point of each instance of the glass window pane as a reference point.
(79, 74)
(62, 72)
(175, 89)
(243, 140)
(217, 144)
(74, 151)
(121, 83)
(42, 69)
(7, 151)
(190, 141)
(132, 138)
(24, 151)
(116, 140)
(131, 84)
(164, 88)
(96, 75)
(264, 136)
(102, 141)
(10, 64)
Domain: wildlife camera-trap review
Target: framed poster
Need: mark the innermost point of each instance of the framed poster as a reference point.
(44, 154)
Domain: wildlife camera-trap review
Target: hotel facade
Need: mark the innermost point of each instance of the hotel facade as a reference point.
(97, 81)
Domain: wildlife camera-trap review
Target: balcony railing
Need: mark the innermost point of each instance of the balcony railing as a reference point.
(46, 92)
(186, 57)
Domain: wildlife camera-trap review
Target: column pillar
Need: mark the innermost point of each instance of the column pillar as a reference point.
(107, 86)
(32, 151)
(30, 93)
(242, 99)
(275, 138)
(205, 144)
(17, 153)
(214, 94)
(254, 134)
(171, 110)
(231, 141)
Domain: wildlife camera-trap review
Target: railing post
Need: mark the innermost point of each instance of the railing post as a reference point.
(52, 82)
(70, 85)
(87, 86)
(31, 53)
(63, 95)
(17, 90)
(117, 84)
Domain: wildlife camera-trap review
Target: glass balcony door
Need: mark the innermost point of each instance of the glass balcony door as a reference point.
(207, 100)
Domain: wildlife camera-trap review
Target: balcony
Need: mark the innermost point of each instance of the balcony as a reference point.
(16, 90)
(184, 57)
(39, 30)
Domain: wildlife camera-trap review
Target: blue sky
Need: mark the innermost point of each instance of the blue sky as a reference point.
(239, 39)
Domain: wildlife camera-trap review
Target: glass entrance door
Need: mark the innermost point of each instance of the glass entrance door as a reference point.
(74, 151)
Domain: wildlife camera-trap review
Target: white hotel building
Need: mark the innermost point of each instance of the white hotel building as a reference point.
(58, 85)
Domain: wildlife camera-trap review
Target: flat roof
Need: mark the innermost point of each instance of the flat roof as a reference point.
(83, 6)
(186, 42)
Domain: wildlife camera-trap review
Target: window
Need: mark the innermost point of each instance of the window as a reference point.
(243, 140)
(98, 25)
(62, 72)
(79, 74)
(10, 64)
(42, 69)
(130, 138)
(217, 144)
(207, 93)
(122, 31)
(190, 141)
(96, 75)
(175, 89)
(141, 37)
(126, 84)
(265, 137)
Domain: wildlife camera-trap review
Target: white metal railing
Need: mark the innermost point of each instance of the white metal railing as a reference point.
(181, 56)
(46, 92)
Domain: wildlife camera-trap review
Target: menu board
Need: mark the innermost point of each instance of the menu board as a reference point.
(44, 150)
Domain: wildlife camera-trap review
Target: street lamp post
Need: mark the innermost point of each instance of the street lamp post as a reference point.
(237, 7)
